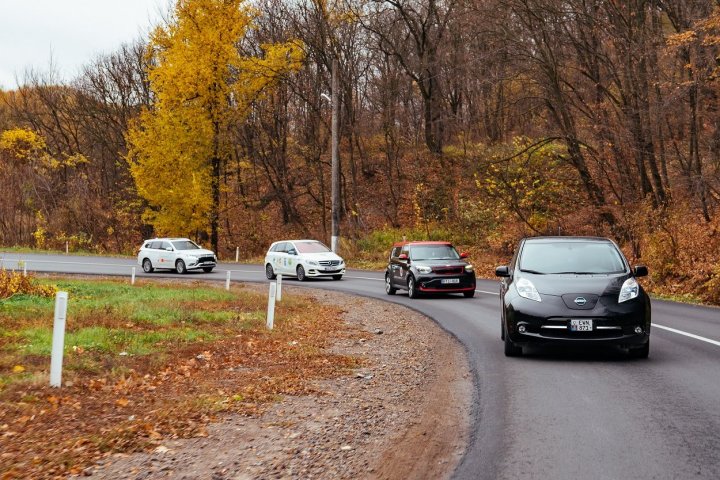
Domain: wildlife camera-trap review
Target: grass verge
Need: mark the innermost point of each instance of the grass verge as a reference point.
(148, 362)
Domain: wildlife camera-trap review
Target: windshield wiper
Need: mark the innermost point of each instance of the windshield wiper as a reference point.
(578, 273)
(532, 271)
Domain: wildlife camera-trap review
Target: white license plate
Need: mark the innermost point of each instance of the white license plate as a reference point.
(581, 325)
(449, 280)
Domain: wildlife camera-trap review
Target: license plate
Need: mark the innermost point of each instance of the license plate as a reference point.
(581, 325)
(445, 281)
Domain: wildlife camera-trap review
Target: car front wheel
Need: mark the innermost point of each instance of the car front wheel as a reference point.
(207, 269)
(337, 277)
(389, 289)
(301, 273)
(180, 267)
(511, 349)
(269, 272)
(642, 352)
(412, 288)
(147, 266)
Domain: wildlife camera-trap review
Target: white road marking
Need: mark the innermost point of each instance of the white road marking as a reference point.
(489, 293)
(691, 335)
(366, 278)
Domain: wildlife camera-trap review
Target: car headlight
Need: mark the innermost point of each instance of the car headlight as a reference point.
(422, 269)
(629, 290)
(469, 268)
(526, 289)
(312, 262)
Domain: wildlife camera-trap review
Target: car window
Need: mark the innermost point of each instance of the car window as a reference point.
(155, 245)
(164, 245)
(405, 250)
(147, 245)
(395, 252)
(571, 257)
(311, 247)
(185, 245)
(282, 247)
(433, 252)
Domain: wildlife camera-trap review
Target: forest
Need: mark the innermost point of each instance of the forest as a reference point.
(476, 121)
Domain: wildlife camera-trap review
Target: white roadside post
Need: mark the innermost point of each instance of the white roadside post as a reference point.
(227, 280)
(58, 342)
(237, 254)
(67, 248)
(279, 287)
(132, 276)
(271, 306)
(24, 268)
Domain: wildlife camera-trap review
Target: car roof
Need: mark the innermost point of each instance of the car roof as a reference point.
(560, 238)
(420, 242)
(172, 239)
(304, 240)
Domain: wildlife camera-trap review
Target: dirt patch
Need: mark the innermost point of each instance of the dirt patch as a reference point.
(403, 414)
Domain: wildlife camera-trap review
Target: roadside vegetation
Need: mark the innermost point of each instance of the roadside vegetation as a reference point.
(144, 363)
(510, 118)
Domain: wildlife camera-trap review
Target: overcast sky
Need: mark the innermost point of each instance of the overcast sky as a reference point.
(71, 32)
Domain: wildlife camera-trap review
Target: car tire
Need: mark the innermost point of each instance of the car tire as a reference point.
(502, 329)
(469, 294)
(337, 277)
(269, 272)
(300, 271)
(147, 266)
(180, 267)
(512, 350)
(389, 289)
(412, 288)
(642, 352)
(208, 269)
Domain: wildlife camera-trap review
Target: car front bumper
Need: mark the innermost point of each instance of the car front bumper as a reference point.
(433, 283)
(548, 322)
(319, 271)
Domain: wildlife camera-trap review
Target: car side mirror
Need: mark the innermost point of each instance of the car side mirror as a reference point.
(169, 249)
(292, 252)
(464, 255)
(403, 256)
(640, 271)
(502, 271)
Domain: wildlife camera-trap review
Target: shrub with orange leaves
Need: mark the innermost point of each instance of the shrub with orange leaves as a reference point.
(15, 283)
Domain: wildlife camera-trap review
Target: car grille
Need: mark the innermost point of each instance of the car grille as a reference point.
(449, 270)
(206, 259)
(329, 263)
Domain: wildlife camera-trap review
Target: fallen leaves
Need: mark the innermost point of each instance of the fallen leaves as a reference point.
(150, 400)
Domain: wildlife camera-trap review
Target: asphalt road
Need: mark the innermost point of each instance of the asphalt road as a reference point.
(551, 414)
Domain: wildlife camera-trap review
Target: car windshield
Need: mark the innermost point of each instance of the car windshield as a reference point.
(311, 247)
(433, 252)
(185, 245)
(571, 257)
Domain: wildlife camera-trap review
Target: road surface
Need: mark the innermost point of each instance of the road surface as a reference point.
(550, 414)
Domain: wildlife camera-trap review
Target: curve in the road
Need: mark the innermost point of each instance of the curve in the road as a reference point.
(551, 414)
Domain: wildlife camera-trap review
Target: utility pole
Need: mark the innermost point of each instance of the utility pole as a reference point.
(335, 239)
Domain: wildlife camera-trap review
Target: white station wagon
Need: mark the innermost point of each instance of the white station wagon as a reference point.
(303, 259)
(179, 254)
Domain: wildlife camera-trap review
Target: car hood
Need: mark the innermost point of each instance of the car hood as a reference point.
(198, 253)
(562, 284)
(440, 263)
(320, 256)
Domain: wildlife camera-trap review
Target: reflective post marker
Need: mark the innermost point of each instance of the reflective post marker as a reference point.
(271, 306)
(67, 248)
(227, 280)
(24, 268)
(58, 341)
(279, 287)
(132, 277)
(237, 254)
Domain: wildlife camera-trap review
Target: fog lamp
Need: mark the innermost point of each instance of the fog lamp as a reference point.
(638, 330)
(522, 329)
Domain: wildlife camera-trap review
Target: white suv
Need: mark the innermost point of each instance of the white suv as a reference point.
(179, 254)
(303, 259)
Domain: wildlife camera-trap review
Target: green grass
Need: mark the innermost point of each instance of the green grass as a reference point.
(106, 318)
(50, 251)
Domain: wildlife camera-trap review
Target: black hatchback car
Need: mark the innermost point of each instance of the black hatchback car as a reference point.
(428, 267)
(570, 290)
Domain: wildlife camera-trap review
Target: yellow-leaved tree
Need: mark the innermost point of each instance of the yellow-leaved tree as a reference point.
(202, 84)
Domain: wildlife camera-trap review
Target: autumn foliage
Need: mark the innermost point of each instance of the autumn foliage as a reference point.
(476, 121)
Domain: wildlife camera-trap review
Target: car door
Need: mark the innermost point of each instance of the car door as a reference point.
(153, 253)
(404, 265)
(292, 257)
(167, 255)
(279, 258)
(395, 267)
